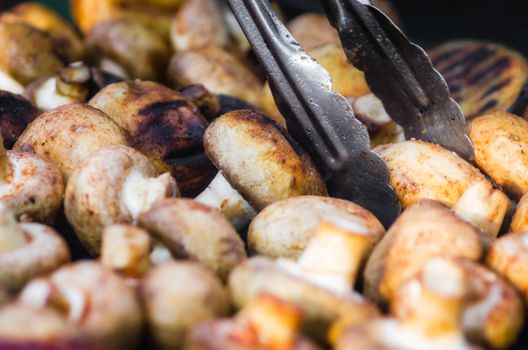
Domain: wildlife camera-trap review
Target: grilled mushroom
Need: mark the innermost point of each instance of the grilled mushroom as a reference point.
(27, 250)
(177, 296)
(284, 228)
(164, 125)
(320, 287)
(128, 49)
(82, 303)
(501, 147)
(519, 223)
(191, 230)
(69, 134)
(216, 69)
(15, 114)
(426, 229)
(266, 323)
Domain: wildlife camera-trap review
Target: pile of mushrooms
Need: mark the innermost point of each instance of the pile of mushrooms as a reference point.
(152, 197)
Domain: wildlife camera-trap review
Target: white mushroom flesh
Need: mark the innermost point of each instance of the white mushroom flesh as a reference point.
(7, 83)
(11, 235)
(47, 97)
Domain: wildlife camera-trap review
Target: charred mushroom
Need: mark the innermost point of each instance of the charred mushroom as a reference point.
(15, 114)
(114, 185)
(501, 149)
(177, 296)
(425, 230)
(27, 250)
(69, 134)
(128, 49)
(82, 303)
(320, 287)
(266, 323)
(164, 125)
(194, 231)
(216, 69)
(284, 228)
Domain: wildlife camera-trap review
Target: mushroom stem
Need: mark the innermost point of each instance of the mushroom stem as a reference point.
(11, 235)
(6, 172)
(219, 194)
(335, 252)
(484, 207)
(140, 192)
(435, 299)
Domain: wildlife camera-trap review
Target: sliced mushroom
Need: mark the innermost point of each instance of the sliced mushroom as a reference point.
(177, 296)
(27, 250)
(501, 149)
(164, 125)
(320, 287)
(82, 303)
(266, 323)
(284, 228)
(431, 319)
(482, 76)
(259, 159)
(69, 134)
(16, 113)
(114, 185)
(492, 315)
(43, 18)
(31, 53)
(420, 170)
(216, 69)
(191, 230)
(426, 229)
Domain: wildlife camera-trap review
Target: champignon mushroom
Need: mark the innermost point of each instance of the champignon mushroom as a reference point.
(199, 24)
(482, 76)
(28, 53)
(16, 113)
(27, 250)
(9, 84)
(266, 323)
(30, 186)
(320, 287)
(164, 125)
(43, 18)
(501, 149)
(69, 134)
(81, 303)
(431, 318)
(216, 69)
(129, 49)
(116, 184)
(259, 159)
(519, 223)
(284, 228)
(493, 313)
(426, 229)
(420, 170)
(177, 296)
(192, 230)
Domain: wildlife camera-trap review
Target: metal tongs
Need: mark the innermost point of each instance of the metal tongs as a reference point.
(322, 121)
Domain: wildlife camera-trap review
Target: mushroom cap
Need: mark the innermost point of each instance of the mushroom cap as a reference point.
(508, 256)
(482, 76)
(198, 24)
(501, 149)
(519, 221)
(28, 53)
(43, 18)
(114, 185)
(216, 69)
(312, 30)
(192, 230)
(102, 309)
(259, 159)
(69, 134)
(16, 113)
(421, 170)
(164, 125)
(320, 306)
(140, 51)
(177, 296)
(44, 252)
(426, 229)
(284, 228)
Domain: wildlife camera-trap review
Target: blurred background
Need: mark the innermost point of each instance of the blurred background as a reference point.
(427, 22)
